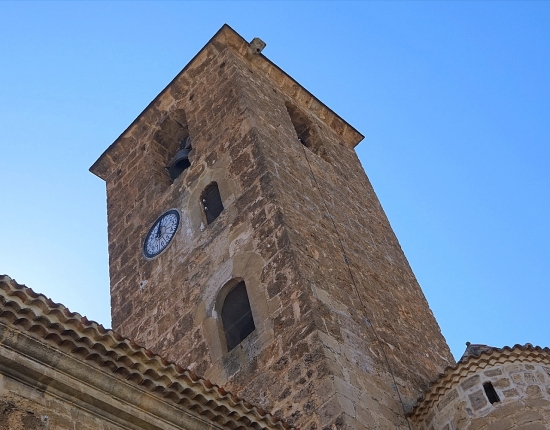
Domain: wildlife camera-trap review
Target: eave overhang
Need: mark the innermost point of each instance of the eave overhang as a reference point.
(47, 347)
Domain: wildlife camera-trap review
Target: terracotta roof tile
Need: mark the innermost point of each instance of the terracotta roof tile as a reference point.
(475, 358)
(56, 325)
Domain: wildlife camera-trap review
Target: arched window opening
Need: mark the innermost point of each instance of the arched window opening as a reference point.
(306, 132)
(212, 202)
(491, 393)
(301, 126)
(237, 316)
(174, 143)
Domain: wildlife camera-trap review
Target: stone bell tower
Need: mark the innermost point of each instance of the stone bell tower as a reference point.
(246, 243)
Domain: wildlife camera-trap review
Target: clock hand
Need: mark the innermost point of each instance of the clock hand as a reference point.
(159, 230)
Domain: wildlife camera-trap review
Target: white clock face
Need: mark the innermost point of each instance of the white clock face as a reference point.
(161, 233)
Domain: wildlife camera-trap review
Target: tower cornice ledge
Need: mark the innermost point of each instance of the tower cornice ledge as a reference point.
(226, 38)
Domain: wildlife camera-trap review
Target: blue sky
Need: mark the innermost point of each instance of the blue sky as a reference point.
(453, 99)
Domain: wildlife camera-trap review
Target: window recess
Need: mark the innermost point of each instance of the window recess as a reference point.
(237, 318)
(490, 392)
(211, 202)
(306, 132)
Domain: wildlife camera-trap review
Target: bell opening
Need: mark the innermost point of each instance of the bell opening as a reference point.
(181, 159)
(179, 164)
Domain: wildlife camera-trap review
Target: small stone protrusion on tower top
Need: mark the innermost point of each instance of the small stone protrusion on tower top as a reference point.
(475, 350)
(256, 46)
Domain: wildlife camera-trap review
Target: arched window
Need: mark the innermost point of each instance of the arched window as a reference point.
(302, 126)
(211, 202)
(237, 316)
(307, 132)
(171, 145)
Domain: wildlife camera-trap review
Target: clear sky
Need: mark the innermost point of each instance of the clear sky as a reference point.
(453, 98)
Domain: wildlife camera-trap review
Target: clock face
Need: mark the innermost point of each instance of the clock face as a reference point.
(161, 233)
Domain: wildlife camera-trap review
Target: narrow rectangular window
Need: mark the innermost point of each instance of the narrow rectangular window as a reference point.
(212, 202)
(491, 393)
(237, 316)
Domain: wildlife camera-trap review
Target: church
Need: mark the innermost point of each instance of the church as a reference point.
(255, 283)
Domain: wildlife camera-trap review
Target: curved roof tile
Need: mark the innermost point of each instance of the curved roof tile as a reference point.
(475, 358)
(56, 325)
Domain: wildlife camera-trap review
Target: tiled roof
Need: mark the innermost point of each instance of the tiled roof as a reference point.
(475, 349)
(53, 324)
(476, 358)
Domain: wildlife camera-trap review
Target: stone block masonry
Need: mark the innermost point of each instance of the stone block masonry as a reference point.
(60, 371)
(301, 226)
(505, 388)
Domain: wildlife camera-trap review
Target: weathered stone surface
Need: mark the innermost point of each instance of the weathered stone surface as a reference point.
(533, 426)
(493, 372)
(69, 373)
(301, 226)
(466, 404)
(470, 382)
(504, 424)
(478, 400)
(508, 408)
(528, 416)
(501, 383)
(478, 424)
(449, 397)
(16, 415)
(533, 391)
(512, 392)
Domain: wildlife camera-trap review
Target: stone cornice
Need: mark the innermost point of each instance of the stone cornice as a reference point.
(226, 37)
(46, 346)
(473, 364)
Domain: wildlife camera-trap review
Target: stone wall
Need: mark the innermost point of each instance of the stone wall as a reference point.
(27, 408)
(17, 414)
(521, 384)
(60, 371)
(334, 301)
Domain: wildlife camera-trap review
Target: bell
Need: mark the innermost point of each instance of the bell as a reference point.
(180, 163)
